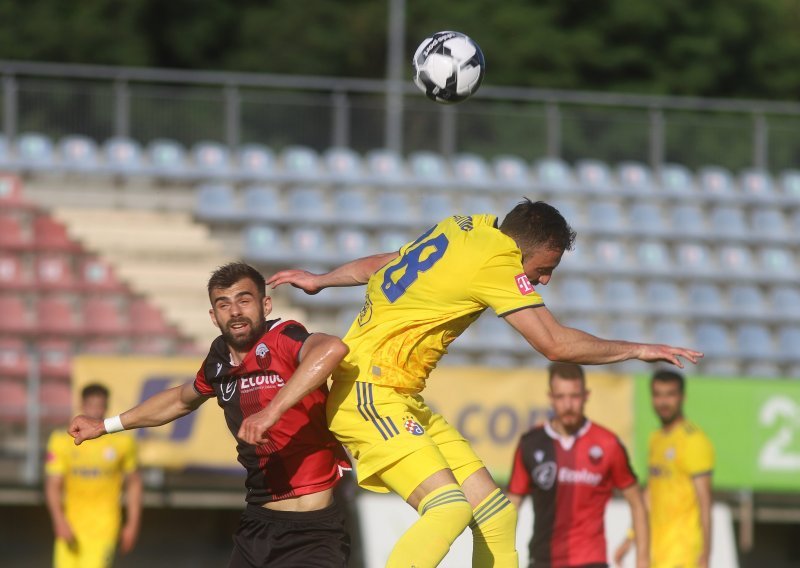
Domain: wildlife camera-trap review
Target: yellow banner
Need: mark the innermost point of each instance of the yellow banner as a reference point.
(493, 407)
(200, 439)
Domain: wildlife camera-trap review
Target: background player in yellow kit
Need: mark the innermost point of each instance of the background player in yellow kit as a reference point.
(418, 301)
(83, 488)
(680, 463)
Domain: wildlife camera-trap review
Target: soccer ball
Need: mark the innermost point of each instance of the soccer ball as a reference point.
(448, 67)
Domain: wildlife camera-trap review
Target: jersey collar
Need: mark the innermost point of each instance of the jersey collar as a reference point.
(567, 441)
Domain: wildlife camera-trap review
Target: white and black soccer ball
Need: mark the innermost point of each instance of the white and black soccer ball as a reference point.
(448, 67)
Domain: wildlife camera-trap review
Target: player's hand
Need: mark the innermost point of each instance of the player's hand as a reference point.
(64, 531)
(127, 538)
(302, 279)
(621, 552)
(83, 428)
(255, 428)
(653, 353)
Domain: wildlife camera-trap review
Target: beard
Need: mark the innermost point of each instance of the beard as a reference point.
(246, 342)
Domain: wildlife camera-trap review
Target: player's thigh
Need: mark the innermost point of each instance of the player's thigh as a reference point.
(458, 452)
(95, 552)
(64, 555)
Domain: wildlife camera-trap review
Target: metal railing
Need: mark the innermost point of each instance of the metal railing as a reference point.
(278, 110)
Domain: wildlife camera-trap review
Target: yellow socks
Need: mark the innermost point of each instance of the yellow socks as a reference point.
(444, 514)
(494, 533)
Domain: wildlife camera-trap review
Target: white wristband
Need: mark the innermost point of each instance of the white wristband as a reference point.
(113, 424)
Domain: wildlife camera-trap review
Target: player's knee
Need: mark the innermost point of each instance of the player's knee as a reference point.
(495, 519)
(449, 512)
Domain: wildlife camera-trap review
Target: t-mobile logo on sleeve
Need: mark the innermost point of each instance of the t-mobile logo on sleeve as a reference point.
(524, 285)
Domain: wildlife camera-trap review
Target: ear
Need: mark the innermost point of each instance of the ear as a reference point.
(267, 305)
(213, 317)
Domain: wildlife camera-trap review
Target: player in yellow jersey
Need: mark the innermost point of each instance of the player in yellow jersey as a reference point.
(680, 463)
(83, 487)
(418, 301)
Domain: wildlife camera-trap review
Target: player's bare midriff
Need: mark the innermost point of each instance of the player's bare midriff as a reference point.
(310, 502)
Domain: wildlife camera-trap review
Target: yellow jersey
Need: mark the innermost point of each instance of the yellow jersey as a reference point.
(92, 475)
(417, 304)
(675, 458)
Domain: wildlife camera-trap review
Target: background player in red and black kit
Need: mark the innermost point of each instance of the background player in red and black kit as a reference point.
(269, 378)
(571, 466)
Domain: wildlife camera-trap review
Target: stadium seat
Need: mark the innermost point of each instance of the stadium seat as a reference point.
(309, 244)
(579, 293)
(79, 154)
(746, 299)
(757, 184)
(56, 315)
(788, 342)
(584, 323)
(216, 202)
(436, 206)
(621, 296)
(308, 204)
(153, 345)
(662, 297)
(728, 222)
(785, 302)
(265, 243)
(211, 159)
(255, 162)
(5, 154)
(715, 180)
(713, 340)
(351, 244)
(55, 401)
(102, 346)
(670, 332)
(769, 223)
(123, 156)
(471, 170)
(735, 260)
(429, 169)
(14, 359)
(754, 341)
(689, 220)
(392, 240)
(343, 165)
(790, 184)
(498, 361)
(480, 204)
(646, 219)
(12, 273)
(11, 193)
(395, 208)
(104, 315)
(611, 256)
(146, 319)
(385, 167)
(263, 203)
(652, 257)
(694, 259)
(553, 174)
(676, 179)
(13, 235)
(570, 209)
(594, 175)
(13, 401)
(778, 263)
(17, 319)
(55, 358)
(167, 159)
(606, 217)
(300, 163)
(510, 172)
(635, 177)
(353, 205)
(55, 272)
(627, 329)
(494, 332)
(35, 152)
(705, 300)
(96, 275)
(51, 235)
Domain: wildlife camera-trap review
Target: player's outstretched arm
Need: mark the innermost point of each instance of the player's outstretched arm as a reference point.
(560, 343)
(159, 409)
(319, 356)
(353, 273)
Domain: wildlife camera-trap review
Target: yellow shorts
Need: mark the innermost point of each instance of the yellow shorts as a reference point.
(86, 553)
(381, 426)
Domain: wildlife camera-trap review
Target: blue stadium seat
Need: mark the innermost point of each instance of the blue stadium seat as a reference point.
(754, 341)
(676, 179)
(579, 293)
(652, 257)
(479, 204)
(308, 204)
(576, 260)
(584, 323)
(713, 340)
(436, 206)
(395, 207)
(785, 301)
(705, 300)
(606, 217)
(694, 259)
(392, 240)
(79, 154)
(788, 342)
(211, 159)
(635, 177)
(35, 152)
(352, 243)
(646, 218)
(790, 184)
(263, 203)
(689, 220)
(662, 297)
(728, 221)
(769, 223)
(386, 167)
(494, 332)
(553, 174)
(611, 256)
(309, 244)
(746, 299)
(217, 202)
(594, 175)
(778, 262)
(300, 163)
(757, 184)
(511, 172)
(343, 164)
(354, 205)
(265, 243)
(735, 260)
(428, 169)
(471, 170)
(167, 159)
(123, 156)
(571, 211)
(255, 162)
(671, 333)
(715, 180)
(627, 329)
(621, 296)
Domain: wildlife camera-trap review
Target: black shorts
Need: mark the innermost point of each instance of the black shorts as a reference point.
(283, 539)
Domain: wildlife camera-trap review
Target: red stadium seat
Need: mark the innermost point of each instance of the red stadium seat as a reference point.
(55, 358)
(14, 361)
(16, 316)
(57, 316)
(147, 319)
(54, 272)
(12, 273)
(13, 401)
(11, 193)
(104, 316)
(55, 400)
(12, 234)
(51, 235)
(102, 346)
(153, 345)
(97, 275)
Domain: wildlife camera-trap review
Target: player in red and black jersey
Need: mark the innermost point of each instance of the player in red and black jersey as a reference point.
(269, 378)
(570, 467)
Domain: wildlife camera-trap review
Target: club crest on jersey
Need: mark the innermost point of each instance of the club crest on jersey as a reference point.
(366, 312)
(595, 454)
(538, 455)
(544, 475)
(523, 284)
(413, 427)
(263, 356)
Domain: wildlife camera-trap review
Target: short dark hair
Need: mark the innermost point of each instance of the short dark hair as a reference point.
(94, 389)
(536, 224)
(229, 274)
(569, 371)
(669, 376)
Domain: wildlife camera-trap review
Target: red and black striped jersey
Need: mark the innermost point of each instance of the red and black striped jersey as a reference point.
(571, 480)
(302, 456)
